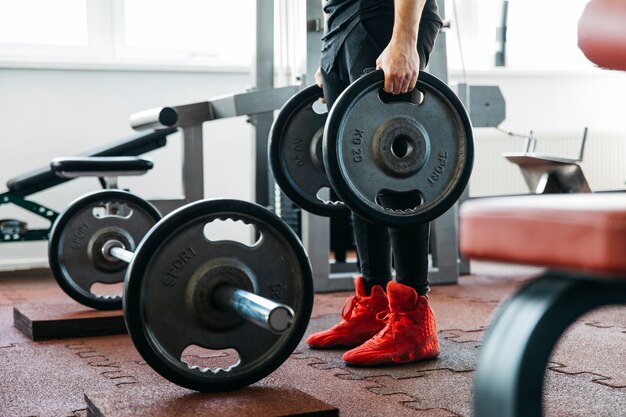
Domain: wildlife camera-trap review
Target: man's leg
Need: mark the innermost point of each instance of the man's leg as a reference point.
(410, 332)
(360, 313)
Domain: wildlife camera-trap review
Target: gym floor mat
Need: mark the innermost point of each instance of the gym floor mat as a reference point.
(585, 375)
(68, 320)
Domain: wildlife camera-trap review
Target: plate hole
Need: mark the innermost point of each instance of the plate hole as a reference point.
(212, 360)
(401, 146)
(106, 290)
(319, 107)
(112, 209)
(231, 230)
(399, 200)
(416, 97)
(327, 195)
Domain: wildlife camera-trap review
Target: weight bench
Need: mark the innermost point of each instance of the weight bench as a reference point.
(581, 238)
(45, 177)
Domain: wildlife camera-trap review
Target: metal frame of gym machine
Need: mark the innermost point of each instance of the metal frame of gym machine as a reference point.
(259, 104)
(190, 118)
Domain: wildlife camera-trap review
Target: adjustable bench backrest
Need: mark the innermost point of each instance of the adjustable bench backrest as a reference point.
(44, 178)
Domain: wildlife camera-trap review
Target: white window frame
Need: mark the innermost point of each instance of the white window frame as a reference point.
(97, 46)
(106, 49)
(129, 54)
(479, 42)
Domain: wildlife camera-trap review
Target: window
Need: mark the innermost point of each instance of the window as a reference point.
(541, 35)
(544, 34)
(32, 30)
(128, 32)
(188, 30)
(59, 22)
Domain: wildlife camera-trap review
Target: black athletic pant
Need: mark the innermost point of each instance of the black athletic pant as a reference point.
(374, 242)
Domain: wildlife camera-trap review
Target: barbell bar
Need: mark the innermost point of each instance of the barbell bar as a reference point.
(261, 311)
(185, 287)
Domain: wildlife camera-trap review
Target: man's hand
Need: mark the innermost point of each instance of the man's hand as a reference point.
(400, 62)
(319, 80)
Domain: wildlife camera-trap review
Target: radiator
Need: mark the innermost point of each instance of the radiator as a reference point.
(604, 159)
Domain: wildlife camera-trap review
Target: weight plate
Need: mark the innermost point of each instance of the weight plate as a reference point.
(167, 298)
(77, 236)
(379, 144)
(295, 154)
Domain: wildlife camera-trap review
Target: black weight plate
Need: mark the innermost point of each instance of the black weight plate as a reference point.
(76, 237)
(295, 153)
(375, 143)
(167, 308)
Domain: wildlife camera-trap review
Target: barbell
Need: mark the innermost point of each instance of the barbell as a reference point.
(88, 222)
(184, 289)
(416, 147)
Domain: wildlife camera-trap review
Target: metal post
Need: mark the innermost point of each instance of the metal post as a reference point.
(316, 229)
(193, 165)
(438, 61)
(500, 59)
(447, 263)
(263, 76)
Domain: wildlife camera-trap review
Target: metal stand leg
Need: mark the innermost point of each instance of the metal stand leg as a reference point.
(445, 248)
(316, 240)
(513, 359)
(464, 263)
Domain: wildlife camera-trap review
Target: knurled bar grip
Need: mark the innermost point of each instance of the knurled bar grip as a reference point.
(259, 310)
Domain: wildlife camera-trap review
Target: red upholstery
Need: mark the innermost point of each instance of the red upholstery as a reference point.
(584, 232)
(602, 33)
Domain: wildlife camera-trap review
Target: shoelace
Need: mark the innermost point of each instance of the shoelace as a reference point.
(394, 321)
(353, 301)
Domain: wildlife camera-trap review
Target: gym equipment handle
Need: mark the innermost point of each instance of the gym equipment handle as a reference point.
(157, 118)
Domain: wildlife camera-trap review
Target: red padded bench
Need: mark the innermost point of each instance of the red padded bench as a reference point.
(581, 238)
(581, 232)
(602, 33)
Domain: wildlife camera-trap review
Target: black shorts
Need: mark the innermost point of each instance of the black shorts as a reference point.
(363, 45)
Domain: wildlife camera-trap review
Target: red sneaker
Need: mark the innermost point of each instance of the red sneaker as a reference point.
(410, 333)
(359, 319)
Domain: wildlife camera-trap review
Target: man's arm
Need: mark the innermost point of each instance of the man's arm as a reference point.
(400, 60)
(318, 74)
(325, 15)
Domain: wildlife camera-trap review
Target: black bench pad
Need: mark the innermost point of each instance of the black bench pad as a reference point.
(99, 166)
(44, 178)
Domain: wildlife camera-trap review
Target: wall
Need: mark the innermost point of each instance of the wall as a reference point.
(50, 113)
(556, 106)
